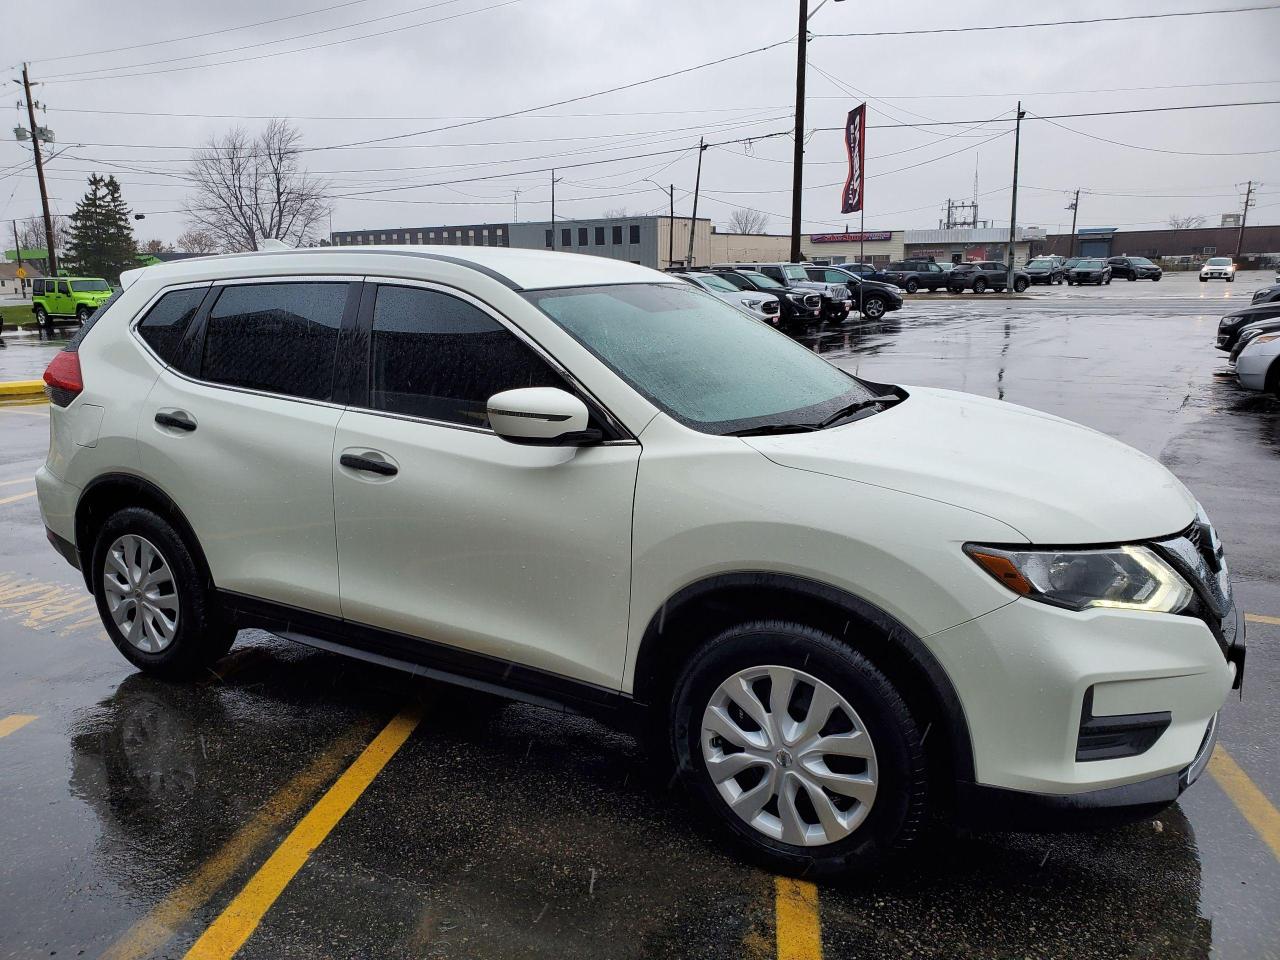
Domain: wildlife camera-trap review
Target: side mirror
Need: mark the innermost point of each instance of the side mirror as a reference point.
(541, 417)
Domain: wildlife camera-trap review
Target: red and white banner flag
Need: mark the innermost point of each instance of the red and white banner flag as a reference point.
(855, 144)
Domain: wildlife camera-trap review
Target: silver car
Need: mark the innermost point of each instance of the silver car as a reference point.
(761, 305)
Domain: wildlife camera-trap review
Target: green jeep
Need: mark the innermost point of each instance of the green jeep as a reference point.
(66, 298)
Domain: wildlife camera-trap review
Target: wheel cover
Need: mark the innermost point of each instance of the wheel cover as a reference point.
(142, 597)
(873, 309)
(789, 755)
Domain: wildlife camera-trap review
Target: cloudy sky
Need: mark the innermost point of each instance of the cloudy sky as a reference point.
(157, 79)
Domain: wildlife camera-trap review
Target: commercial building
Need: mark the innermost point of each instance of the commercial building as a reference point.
(470, 235)
(1260, 243)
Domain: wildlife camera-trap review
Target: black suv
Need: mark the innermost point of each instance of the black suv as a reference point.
(867, 271)
(871, 298)
(1269, 294)
(799, 307)
(1229, 327)
(1134, 268)
(1046, 270)
(911, 275)
(986, 275)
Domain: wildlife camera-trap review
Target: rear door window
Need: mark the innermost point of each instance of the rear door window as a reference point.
(276, 337)
(439, 357)
(166, 324)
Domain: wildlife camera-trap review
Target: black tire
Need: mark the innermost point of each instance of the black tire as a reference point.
(1204, 279)
(201, 636)
(1155, 279)
(1019, 285)
(42, 318)
(873, 308)
(1231, 279)
(83, 314)
(954, 289)
(1106, 281)
(912, 285)
(979, 285)
(899, 809)
(1132, 276)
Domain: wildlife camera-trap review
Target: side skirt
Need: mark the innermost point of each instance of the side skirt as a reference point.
(433, 661)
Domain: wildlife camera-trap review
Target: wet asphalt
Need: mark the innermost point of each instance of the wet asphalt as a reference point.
(506, 830)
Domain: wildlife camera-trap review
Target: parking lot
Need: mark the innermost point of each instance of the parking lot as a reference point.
(141, 818)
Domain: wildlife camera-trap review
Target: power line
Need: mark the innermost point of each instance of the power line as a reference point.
(106, 73)
(197, 36)
(1055, 23)
(1135, 146)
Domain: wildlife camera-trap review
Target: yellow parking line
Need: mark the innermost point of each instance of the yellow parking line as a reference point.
(10, 483)
(164, 920)
(1259, 618)
(799, 930)
(16, 498)
(236, 923)
(18, 406)
(1244, 793)
(14, 723)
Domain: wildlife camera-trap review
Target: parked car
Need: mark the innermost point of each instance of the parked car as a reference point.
(798, 307)
(648, 506)
(1090, 270)
(873, 300)
(1134, 268)
(911, 275)
(1269, 294)
(761, 305)
(1069, 264)
(1251, 330)
(1045, 270)
(986, 275)
(62, 299)
(836, 298)
(1258, 365)
(1229, 327)
(1218, 268)
(867, 271)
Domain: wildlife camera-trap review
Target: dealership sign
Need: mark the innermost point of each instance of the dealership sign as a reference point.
(851, 237)
(855, 131)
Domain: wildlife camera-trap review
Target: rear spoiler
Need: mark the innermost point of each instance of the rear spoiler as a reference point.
(129, 276)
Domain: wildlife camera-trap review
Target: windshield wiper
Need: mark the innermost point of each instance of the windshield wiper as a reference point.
(765, 429)
(852, 408)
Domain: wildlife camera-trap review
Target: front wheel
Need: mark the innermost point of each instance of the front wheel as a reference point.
(800, 749)
(1231, 279)
(1155, 279)
(1204, 279)
(1106, 281)
(83, 313)
(912, 285)
(155, 602)
(1132, 276)
(873, 308)
(42, 318)
(979, 285)
(1019, 285)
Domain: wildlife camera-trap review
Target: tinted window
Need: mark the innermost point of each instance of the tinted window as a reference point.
(582, 236)
(739, 281)
(566, 237)
(37, 288)
(64, 287)
(82, 286)
(167, 322)
(277, 337)
(439, 357)
(599, 236)
(634, 230)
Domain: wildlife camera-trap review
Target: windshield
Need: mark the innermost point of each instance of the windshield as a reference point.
(1089, 264)
(761, 281)
(1039, 266)
(700, 360)
(1141, 261)
(1219, 261)
(794, 272)
(718, 283)
(84, 286)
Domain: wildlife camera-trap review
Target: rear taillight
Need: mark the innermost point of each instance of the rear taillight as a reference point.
(63, 378)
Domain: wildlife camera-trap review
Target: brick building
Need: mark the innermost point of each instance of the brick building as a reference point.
(1260, 243)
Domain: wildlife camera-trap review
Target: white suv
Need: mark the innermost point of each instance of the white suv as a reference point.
(839, 605)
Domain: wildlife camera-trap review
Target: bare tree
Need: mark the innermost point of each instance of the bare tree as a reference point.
(1185, 223)
(743, 220)
(198, 240)
(249, 189)
(31, 233)
(155, 246)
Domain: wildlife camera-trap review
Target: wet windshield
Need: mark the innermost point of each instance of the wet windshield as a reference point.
(84, 286)
(705, 363)
(795, 272)
(718, 283)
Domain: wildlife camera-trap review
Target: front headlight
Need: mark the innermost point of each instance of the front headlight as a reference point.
(1125, 578)
(1265, 337)
(753, 304)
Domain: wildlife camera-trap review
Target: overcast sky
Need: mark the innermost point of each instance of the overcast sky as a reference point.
(492, 57)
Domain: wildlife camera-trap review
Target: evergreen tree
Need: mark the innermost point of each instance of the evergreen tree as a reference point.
(102, 242)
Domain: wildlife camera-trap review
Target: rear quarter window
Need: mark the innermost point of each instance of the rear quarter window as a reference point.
(165, 326)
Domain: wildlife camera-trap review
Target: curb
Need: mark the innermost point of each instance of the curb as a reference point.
(21, 388)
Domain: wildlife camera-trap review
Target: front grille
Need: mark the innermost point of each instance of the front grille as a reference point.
(1197, 554)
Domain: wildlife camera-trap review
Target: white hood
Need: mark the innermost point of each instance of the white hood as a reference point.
(1055, 481)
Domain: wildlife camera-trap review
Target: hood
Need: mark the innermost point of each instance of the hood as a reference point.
(885, 287)
(1054, 481)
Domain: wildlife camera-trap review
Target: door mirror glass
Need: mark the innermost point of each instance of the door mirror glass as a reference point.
(540, 416)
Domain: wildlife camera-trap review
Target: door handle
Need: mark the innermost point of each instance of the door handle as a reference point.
(178, 421)
(369, 465)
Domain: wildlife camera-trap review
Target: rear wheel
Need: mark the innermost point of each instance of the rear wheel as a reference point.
(912, 285)
(1019, 285)
(800, 749)
(1132, 276)
(979, 285)
(153, 598)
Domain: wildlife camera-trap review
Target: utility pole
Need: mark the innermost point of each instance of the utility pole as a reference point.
(554, 181)
(1075, 211)
(797, 159)
(17, 252)
(671, 223)
(697, 183)
(1244, 218)
(1013, 212)
(515, 217)
(44, 194)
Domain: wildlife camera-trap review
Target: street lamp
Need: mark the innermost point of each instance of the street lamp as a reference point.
(797, 161)
(671, 220)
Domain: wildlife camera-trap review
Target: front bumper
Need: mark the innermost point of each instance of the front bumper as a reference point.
(1215, 274)
(1252, 369)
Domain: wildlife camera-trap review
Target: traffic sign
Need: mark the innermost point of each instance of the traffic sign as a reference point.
(22, 273)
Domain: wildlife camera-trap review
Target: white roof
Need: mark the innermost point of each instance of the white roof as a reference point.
(522, 268)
